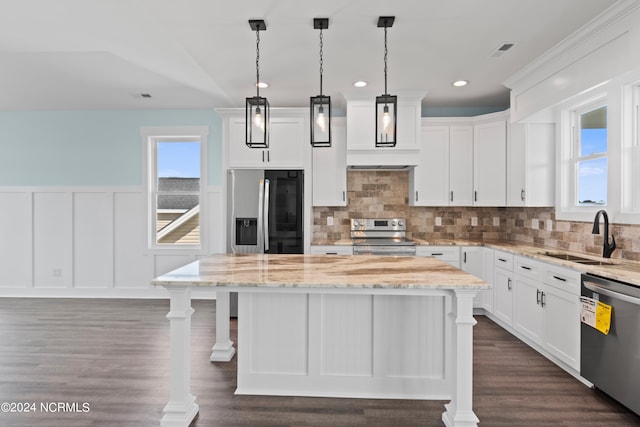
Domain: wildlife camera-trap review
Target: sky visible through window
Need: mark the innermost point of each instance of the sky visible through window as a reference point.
(179, 159)
(592, 182)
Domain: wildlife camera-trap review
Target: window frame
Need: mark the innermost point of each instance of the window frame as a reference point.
(151, 136)
(577, 157)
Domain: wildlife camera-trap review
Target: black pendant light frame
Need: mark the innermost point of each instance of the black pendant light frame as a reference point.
(257, 107)
(320, 105)
(386, 104)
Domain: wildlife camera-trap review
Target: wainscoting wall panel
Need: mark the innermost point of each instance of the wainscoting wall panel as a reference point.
(89, 242)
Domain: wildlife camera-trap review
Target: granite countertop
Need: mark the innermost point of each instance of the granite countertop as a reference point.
(612, 268)
(321, 271)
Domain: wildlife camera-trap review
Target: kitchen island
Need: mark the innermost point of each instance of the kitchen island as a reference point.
(327, 325)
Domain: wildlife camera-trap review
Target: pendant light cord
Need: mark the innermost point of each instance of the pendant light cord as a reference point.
(321, 60)
(385, 60)
(258, 63)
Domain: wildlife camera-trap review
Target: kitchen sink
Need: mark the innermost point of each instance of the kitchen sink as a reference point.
(575, 258)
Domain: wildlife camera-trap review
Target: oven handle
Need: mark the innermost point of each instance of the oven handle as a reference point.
(617, 295)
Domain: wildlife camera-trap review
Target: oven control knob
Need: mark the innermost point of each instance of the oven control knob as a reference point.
(401, 223)
(394, 223)
(356, 223)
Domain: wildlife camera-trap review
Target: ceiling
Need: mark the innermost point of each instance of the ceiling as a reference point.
(103, 54)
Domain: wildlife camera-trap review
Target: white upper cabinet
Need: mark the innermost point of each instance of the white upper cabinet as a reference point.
(531, 165)
(444, 175)
(490, 164)
(288, 142)
(330, 168)
(361, 149)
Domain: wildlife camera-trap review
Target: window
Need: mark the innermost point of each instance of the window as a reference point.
(175, 188)
(591, 159)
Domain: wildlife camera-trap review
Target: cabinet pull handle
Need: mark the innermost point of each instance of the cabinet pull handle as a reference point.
(543, 297)
(344, 196)
(538, 296)
(416, 196)
(522, 194)
(262, 156)
(502, 260)
(268, 156)
(475, 196)
(525, 267)
(436, 254)
(509, 283)
(331, 253)
(464, 260)
(451, 197)
(562, 279)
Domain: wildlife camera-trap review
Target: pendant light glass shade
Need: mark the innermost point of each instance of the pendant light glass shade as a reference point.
(386, 105)
(257, 107)
(321, 121)
(257, 121)
(320, 105)
(386, 120)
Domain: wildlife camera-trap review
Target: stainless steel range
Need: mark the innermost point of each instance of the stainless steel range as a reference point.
(372, 236)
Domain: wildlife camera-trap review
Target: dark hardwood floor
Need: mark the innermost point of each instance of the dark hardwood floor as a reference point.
(114, 355)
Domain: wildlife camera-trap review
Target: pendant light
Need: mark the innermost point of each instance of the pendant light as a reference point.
(257, 107)
(386, 105)
(321, 105)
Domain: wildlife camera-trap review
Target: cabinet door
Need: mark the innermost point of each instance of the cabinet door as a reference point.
(472, 262)
(429, 181)
(562, 325)
(528, 313)
(503, 296)
(460, 166)
(531, 165)
(361, 129)
(489, 276)
(287, 143)
(489, 164)
(330, 169)
(241, 156)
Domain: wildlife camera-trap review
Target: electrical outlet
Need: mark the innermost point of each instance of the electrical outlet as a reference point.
(496, 221)
(535, 224)
(548, 225)
(329, 220)
(57, 272)
(474, 221)
(438, 221)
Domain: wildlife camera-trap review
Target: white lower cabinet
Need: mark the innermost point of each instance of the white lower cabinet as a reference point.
(472, 262)
(547, 314)
(503, 287)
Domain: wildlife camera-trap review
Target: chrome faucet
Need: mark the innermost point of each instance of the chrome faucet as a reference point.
(607, 249)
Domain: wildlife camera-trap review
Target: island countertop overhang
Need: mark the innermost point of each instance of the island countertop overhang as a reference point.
(320, 272)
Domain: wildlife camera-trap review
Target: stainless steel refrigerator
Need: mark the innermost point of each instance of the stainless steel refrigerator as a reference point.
(264, 213)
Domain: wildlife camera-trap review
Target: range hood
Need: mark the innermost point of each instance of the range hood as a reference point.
(362, 154)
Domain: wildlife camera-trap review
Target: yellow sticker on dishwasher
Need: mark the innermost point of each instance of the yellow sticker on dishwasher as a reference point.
(603, 317)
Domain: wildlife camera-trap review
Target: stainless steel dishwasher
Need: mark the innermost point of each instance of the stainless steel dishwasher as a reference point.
(612, 362)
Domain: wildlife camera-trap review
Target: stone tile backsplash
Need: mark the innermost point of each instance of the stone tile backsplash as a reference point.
(384, 194)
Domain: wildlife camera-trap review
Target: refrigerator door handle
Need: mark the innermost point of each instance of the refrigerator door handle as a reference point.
(260, 225)
(265, 224)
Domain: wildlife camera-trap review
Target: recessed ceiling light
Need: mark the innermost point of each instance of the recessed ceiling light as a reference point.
(460, 83)
(262, 85)
(360, 83)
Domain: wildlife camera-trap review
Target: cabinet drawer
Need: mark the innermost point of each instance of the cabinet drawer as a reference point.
(504, 260)
(449, 254)
(332, 250)
(526, 267)
(563, 278)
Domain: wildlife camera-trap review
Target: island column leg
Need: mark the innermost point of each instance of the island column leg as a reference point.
(459, 412)
(182, 406)
(222, 350)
